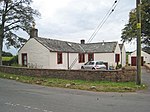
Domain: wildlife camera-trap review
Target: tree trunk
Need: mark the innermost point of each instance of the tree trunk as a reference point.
(1, 46)
(2, 30)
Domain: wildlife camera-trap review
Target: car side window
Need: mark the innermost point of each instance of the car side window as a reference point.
(91, 63)
(99, 63)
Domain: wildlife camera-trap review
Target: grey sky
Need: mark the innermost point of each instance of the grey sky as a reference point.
(73, 20)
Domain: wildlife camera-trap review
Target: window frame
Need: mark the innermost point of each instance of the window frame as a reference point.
(24, 61)
(81, 57)
(59, 57)
(90, 56)
(117, 58)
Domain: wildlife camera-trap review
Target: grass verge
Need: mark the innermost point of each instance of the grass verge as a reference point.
(98, 86)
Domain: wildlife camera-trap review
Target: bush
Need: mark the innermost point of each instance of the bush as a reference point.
(11, 61)
(119, 66)
(14, 60)
(6, 54)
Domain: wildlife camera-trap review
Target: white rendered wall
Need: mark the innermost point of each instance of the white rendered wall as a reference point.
(37, 54)
(123, 56)
(105, 57)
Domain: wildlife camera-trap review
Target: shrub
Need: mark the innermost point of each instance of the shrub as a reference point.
(8, 61)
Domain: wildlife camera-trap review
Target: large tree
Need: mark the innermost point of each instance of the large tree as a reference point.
(15, 15)
(130, 30)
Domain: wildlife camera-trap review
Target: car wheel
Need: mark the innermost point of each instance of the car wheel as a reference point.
(82, 67)
(93, 68)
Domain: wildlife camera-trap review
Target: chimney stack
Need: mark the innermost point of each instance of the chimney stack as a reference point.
(33, 31)
(82, 41)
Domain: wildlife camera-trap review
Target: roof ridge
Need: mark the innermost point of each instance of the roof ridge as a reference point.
(66, 46)
(57, 40)
(102, 42)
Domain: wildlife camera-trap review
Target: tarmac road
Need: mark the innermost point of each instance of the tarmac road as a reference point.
(20, 97)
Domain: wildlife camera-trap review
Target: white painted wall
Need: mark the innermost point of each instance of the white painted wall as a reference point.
(129, 59)
(146, 56)
(53, 61)
(66, 57)
(105, 57)
(123, 62)
(73, 57)
(37, 54)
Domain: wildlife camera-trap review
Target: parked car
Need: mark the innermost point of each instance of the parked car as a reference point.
(94, 65)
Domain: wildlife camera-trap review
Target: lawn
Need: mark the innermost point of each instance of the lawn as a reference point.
(98, 86)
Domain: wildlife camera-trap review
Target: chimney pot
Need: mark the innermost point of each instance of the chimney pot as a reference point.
(82, 41)
(33, 31)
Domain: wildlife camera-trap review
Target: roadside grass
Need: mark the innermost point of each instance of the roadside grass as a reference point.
(97, 86)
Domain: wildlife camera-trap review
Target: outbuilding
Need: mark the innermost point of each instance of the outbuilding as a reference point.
(145, 58)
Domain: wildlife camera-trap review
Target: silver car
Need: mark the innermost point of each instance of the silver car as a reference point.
(94, 65)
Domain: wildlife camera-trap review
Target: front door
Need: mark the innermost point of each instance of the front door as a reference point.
(24, 59)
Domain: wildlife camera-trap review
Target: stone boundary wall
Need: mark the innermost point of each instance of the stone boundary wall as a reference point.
(124, 75)
(147, 66)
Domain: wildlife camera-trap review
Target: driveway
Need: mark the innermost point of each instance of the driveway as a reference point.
(146, 79)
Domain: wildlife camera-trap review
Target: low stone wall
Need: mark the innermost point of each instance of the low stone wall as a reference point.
(124, 75)
(147, 66)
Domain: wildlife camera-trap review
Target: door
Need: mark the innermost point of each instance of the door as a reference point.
(24, 59)
(133, 61)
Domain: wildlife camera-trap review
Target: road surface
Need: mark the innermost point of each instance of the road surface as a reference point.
(19, 97)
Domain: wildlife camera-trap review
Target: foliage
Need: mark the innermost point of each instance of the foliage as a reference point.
(6, 54)
(147, 49)
(15, 15)
(100, 86)
(10, 60)
(118, 66)
(6, 58)
(130, 31)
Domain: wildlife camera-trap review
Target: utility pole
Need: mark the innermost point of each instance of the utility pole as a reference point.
(138, 60)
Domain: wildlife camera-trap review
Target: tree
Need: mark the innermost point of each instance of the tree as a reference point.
(6, 54)
(130, 32)
(15, 15)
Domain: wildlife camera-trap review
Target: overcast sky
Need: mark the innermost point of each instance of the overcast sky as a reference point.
(73, 20)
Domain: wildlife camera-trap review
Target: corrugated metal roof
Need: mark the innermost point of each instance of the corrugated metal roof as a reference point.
(64, 46)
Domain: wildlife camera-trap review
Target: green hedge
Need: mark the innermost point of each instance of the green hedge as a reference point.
(8, 61)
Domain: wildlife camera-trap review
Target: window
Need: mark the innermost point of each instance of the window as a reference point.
(117, 58)
(99, 63)
(24, 59)
(81, 58)
(91, 57)
(91, 63)
(59, 58)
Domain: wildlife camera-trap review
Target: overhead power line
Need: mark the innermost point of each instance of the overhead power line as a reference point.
(111, 10)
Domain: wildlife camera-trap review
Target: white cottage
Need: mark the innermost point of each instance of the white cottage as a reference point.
(145, 58)
(55, 54)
